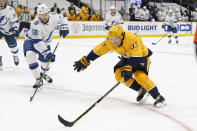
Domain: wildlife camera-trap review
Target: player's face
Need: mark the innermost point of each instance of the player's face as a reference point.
(113, 12)
(44, 17)
(116, 41)
(2, 3)
(170, 13)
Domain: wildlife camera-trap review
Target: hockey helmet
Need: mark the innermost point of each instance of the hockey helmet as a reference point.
(42, 9)
(115, 31)
(112, 7)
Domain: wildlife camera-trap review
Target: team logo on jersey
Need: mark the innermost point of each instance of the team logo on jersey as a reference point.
(3, 20)
(76, 27)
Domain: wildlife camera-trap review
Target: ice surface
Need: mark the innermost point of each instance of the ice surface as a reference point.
(173, 69)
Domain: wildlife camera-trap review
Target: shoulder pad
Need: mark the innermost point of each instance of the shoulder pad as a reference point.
(36, 22)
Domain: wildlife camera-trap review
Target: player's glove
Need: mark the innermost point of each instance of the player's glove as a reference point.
(81, 64)
(14, 30)
(50, 56)
(107, 27)
(126, 72)
(162, 26)
(64, 31)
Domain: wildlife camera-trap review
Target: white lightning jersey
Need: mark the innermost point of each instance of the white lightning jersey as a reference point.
(41, 34)
(138, 13)
(113, 20)
(178, 16)
(171, 21)
(145, 15)
(161, 15)
(8, 19)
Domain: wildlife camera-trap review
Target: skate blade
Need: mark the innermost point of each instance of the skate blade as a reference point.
(160, 105)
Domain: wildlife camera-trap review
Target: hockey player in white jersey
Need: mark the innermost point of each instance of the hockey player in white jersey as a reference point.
(9, 29)
(113, 18)
(38, 40)
(171, 24)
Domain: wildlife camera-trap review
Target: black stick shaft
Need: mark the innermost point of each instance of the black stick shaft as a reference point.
(72, 123)
(161, 38)
(32, 97)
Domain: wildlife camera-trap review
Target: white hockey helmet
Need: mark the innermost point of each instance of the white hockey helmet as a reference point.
(112, 7)
(42, 9)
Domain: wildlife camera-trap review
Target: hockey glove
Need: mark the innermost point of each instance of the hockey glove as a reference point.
(50, 56)
(107, 27)
(64, 31)
(14, 30)
(82, 64)
(126, 72)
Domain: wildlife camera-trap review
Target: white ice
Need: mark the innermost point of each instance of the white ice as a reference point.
(173, 69)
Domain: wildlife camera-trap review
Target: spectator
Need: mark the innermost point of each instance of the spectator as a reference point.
(132, 13)
(55, 9)
(161, 14)
(122, 11)
(19, 10)
(155, 11)
(71, 7)
(35, 9)
(194, 15)
(138, 13)
(188, 12)
(65, 14)
(80, 17)
(126, 17)
(71, 16)
(185, 17)
(178, 14)
(24, 19)
(145, 14)
(95, 17)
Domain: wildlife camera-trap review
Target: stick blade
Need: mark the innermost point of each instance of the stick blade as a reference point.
(64, 122)
(154, 43)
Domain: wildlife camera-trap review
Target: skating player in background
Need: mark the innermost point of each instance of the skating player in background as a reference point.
(9, 29)
(171, 24)
(112, 18)
(38, 40)
(133, 68)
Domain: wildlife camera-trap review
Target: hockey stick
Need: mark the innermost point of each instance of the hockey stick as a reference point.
(31, 98)
(160, 39)
(70, 124)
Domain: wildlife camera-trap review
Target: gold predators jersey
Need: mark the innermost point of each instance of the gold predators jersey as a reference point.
(132, 46)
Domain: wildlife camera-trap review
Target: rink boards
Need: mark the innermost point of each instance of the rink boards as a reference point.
(88, 29)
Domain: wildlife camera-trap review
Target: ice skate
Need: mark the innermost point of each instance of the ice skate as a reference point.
(46, 77)
(142, 95)
(38, 84)
(1, 64)
(159, 101)
(177, 41)
(169, 42)
(16, 60)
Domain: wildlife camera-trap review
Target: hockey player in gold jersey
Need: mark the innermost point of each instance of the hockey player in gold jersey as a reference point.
(133, 67)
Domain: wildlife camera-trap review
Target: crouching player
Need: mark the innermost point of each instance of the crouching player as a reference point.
(134, 65)
(38, 40)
